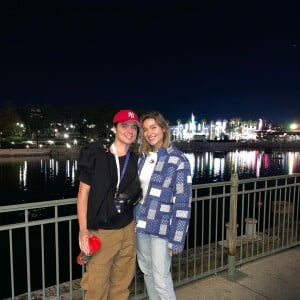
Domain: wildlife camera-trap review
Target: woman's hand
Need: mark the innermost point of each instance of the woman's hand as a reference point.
(172, 253)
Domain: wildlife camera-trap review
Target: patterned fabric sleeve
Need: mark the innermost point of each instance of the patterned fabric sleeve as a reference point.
(181, 206)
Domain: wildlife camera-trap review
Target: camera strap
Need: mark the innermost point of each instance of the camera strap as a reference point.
(119, 172)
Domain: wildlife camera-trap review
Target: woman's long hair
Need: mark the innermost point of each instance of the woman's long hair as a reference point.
(145, 147)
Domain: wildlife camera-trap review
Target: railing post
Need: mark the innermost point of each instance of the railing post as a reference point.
(232, 238)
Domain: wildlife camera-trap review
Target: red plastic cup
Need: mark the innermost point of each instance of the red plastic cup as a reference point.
(95, 245)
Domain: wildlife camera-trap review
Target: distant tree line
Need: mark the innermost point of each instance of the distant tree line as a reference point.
(39, 117)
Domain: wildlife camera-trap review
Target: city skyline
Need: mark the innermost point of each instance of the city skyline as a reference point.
(218, 61)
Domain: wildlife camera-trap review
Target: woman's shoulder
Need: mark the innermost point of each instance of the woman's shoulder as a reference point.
(175, 151)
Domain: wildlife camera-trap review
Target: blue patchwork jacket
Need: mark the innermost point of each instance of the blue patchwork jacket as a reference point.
(166, 209)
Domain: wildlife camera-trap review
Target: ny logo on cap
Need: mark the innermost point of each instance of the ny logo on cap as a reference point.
(131, 115)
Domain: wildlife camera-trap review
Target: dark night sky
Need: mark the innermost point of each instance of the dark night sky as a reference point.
(222, 59)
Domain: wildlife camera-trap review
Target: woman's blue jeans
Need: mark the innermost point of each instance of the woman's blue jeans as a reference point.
(155, 262)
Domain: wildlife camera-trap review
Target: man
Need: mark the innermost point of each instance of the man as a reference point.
(105, 175)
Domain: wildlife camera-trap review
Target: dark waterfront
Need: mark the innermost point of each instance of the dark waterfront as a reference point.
(34, 179)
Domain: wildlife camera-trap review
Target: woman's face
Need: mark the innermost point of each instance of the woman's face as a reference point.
(153, 133)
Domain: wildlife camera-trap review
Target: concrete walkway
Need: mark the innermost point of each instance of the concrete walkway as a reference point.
(275, 277)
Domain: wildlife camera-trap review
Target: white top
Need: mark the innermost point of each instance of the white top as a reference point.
(147, 171)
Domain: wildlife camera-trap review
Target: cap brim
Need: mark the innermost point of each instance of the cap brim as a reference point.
(136, 122)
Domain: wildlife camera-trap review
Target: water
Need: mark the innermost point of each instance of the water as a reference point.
(218, 166)
(34, 179)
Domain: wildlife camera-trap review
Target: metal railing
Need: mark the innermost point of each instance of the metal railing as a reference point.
(232, 223)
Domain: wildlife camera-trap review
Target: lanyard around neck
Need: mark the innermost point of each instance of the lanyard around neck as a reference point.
(120, 174)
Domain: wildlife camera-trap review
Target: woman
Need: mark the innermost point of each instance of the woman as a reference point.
(163, 214)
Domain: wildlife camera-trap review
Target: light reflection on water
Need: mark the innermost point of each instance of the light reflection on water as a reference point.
(49, 168)
(23, 175)
(32, 179)
(218, 166)
(42, 178)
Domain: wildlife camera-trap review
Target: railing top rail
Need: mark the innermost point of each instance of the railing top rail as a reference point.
(269, 178)
(243, 181)
(33, 205)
